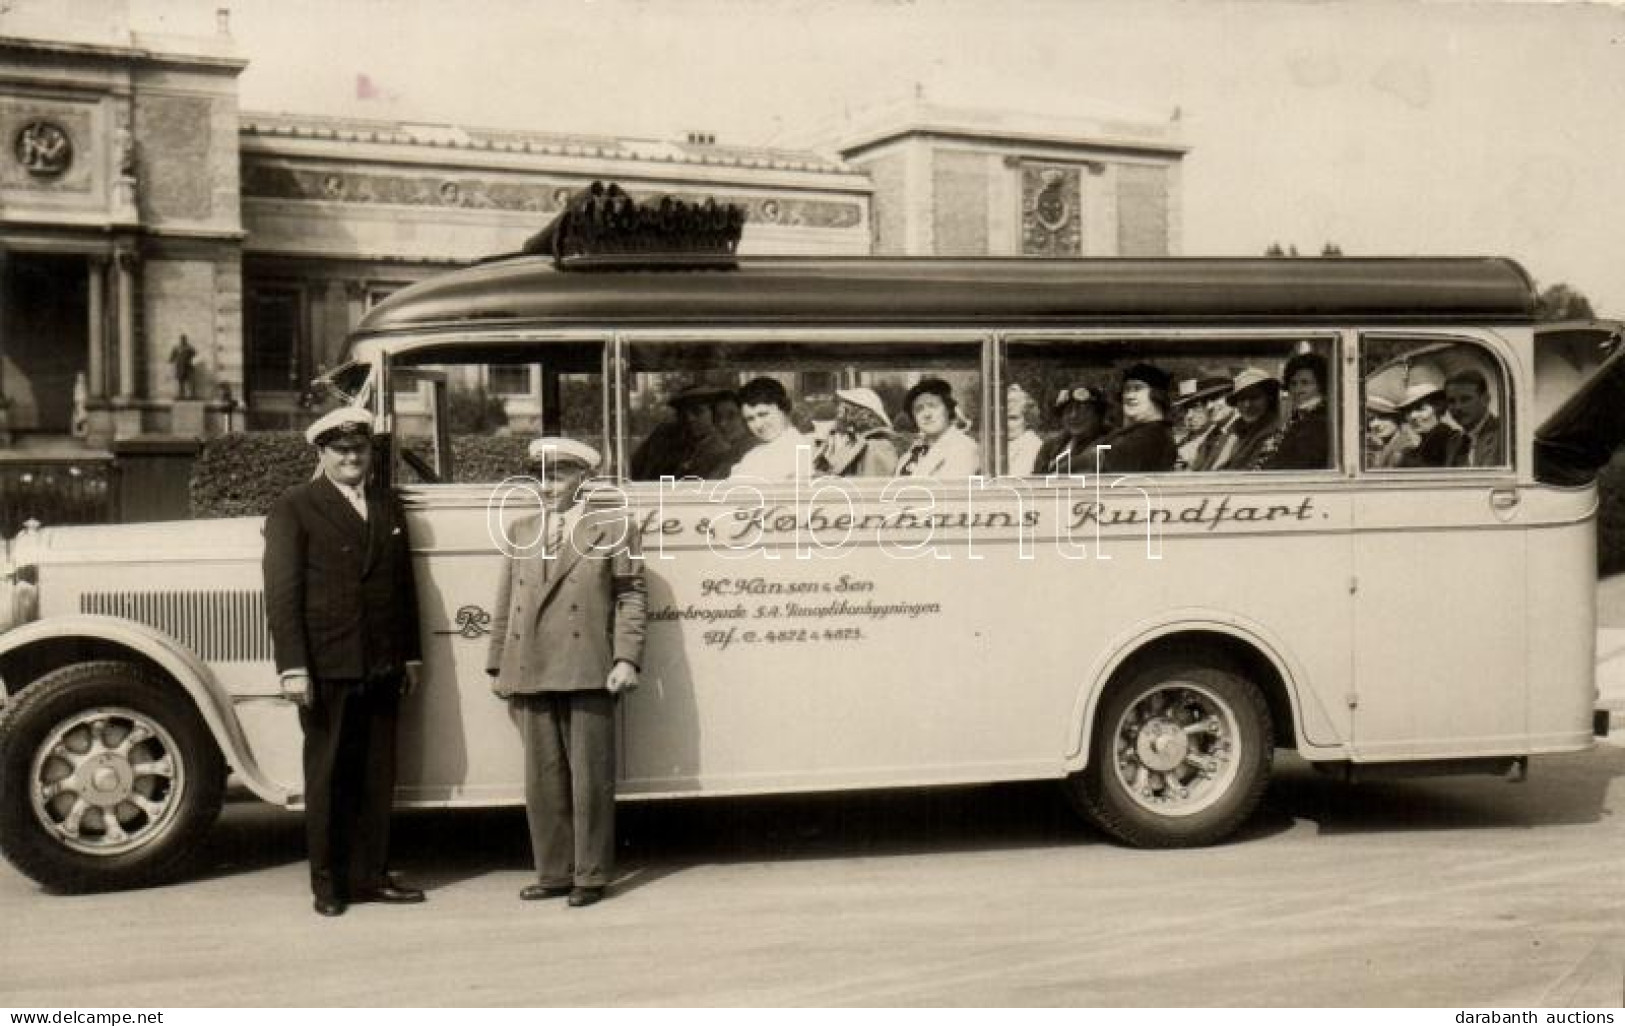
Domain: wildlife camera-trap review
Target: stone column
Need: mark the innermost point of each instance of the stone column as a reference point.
(125, 276)
(97, 371)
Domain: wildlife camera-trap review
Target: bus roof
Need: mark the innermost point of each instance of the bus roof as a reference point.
(851, 291)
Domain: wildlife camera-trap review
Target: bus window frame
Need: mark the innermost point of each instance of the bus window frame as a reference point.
(1338, 338)
(1512, 389)
(744, 334)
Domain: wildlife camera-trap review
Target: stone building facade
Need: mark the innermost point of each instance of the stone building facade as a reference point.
(139, 207)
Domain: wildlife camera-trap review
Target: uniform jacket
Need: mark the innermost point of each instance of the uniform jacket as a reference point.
(559, 624)
(339, 591)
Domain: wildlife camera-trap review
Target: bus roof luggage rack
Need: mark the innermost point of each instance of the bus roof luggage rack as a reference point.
(603, 228)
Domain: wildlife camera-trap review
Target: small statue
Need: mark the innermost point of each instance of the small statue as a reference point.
(181, 358)
(81, 394)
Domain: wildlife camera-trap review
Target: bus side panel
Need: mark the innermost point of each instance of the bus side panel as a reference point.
(1563, 618)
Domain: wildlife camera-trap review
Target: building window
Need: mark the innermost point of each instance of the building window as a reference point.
(276, 341)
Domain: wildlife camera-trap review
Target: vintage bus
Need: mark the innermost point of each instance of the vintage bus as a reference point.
(1147, 637)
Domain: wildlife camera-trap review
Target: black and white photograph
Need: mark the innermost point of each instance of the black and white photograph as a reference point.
(812, 503)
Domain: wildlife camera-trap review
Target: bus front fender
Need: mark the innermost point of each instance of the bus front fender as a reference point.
(173, 659)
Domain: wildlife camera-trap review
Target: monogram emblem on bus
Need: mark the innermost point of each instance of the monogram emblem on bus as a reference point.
(472, 622)
(43, 147)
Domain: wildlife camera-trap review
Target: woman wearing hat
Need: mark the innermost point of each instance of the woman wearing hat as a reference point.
(1386, 435)
(1145, 442)
(1424, 409)
(1257, 424)
(1022, 443)
(1083, 420)
(861, 444)
(1306, 440)
(941, 448)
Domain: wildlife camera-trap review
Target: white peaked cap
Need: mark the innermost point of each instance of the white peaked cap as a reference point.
(345, 418)
(565, 450)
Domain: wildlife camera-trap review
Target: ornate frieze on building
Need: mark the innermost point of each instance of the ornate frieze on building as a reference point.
(1051, 210)
(271, 181)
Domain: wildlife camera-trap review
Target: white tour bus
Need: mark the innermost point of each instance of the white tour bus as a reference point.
(1390, 570)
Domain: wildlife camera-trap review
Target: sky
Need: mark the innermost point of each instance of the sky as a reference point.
(1389, 128)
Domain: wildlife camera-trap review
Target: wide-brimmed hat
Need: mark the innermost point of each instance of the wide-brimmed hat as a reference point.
(1079, 393)
(344, 422)
(1422, 381)
(1250, 379)
(864, 399)
(1379, 405)
(564, 450)
(698, 394)
(1199, 390)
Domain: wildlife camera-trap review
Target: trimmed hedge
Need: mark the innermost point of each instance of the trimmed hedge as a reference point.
(243, 474)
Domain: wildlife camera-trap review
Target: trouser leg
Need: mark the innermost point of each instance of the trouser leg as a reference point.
(325, 800)
(547, 787)
(591, 751)
(374, 776)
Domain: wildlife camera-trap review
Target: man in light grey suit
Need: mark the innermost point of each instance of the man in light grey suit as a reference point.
(566, 640)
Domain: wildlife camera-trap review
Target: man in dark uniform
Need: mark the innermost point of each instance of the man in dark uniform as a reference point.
(342, 607)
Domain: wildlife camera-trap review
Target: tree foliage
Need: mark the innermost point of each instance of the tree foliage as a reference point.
(1561, 302)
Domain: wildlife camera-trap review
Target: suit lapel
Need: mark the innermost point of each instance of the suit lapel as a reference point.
(338, 511)
(583, 537)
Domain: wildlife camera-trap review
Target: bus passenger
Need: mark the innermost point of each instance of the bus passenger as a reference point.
(1467, 394)
(766, 406)
(1145, 442)
(1386, 435)
(1194, 408)
(861, 444)
(941, 449)
(1022, 442)
(1256, 429)
(1306, 439)
(1213, 448)
(1424, 410)
(1083, 420)
(730, 424)
(688, 444)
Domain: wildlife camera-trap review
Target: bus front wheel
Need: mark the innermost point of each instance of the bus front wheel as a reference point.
(108, 779)
(1180, 757)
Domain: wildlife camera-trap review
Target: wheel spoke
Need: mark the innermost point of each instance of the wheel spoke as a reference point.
(137, 734)
(1206, 765)
(75, 817)
(112, 829)
(50, 790)
(164, 767)
(1205, 725)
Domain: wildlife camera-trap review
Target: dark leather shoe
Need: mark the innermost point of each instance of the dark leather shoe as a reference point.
(540, 892)
(329, 907)
(581, 897)
(392, 894)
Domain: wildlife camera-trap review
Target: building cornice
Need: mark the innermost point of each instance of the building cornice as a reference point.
(104, 53)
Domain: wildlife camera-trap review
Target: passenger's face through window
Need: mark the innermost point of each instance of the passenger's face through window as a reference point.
(1423, 417)
(1379, 429)
(728, 420)
(1195, 417)
(1251, 404)
(696, 419)
(1303, 387)
(930, 415)
(1137, 403)
(765, 420)
(1467, 404)
(1080, 419)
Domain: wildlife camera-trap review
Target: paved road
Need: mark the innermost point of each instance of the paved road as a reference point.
(1446, 892)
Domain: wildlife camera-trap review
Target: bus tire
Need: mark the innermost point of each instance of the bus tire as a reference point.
(109, 779)
(1180, 757)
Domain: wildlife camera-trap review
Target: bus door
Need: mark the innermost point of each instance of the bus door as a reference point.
(1439, 555)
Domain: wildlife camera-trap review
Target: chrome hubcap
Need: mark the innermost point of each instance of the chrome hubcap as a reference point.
(1176, 749)
(106, 781)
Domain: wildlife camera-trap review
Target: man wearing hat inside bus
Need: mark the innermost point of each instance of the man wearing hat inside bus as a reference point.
(566, 641)
(342, 607)
(1083, 420)
(1145, 442)
(1195, 403)
(688, 444)
(862, 443)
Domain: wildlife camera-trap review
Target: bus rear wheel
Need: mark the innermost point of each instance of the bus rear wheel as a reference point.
(1180, 757)
(108, 779)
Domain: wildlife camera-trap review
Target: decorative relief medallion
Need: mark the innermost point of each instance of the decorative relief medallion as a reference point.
(1051, 221)
(44, 148)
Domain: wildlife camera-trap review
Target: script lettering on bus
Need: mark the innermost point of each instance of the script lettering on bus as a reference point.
(804, 612)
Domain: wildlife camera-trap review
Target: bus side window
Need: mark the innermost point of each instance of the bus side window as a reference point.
(1200, 403)
(775, 409)
(1433, 404)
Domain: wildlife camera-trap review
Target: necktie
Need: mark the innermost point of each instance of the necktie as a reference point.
(555, 533)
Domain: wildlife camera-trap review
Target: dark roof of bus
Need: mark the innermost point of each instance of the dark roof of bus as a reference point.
(939, 291)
